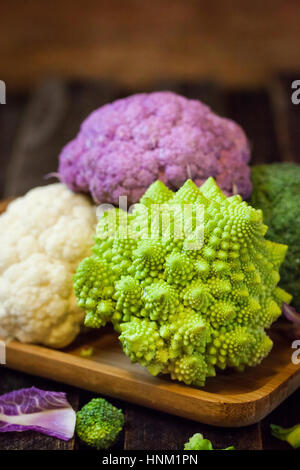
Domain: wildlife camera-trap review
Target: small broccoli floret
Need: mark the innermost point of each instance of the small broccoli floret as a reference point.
(276, 191)
(197, 442)
(186, 311)
(98, 423)
(290, 435)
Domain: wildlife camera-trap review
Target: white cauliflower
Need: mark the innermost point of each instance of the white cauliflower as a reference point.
(43, 237)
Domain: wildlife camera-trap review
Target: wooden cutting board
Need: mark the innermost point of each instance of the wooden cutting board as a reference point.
(230, 399)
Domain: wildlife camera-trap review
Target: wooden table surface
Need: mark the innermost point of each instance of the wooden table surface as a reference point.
(137, 41)
(35, 126)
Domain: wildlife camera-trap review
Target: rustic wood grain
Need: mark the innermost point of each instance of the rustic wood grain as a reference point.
(253, 111)
(286, 415)
(153, 430)
(4, 204)
(207, 91)
(52, 118)
(241, 42)
(10, 116)
(229, 399)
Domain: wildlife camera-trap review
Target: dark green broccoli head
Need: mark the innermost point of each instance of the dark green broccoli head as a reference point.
(98, 423)
(276, 191)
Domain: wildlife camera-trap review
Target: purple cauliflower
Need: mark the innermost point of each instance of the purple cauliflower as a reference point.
(124, 146)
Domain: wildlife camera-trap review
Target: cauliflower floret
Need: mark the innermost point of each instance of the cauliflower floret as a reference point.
(43, 237)
(125, 146)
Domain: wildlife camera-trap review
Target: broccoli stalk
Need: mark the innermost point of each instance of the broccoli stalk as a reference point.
(197, 442)
(98, 423)
(290, 435)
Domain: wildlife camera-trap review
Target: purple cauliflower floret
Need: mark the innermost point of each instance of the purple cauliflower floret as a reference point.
(125, 146)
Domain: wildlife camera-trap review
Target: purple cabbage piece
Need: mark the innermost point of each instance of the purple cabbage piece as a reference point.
(31, 409)
(291, 314)
(125, 146)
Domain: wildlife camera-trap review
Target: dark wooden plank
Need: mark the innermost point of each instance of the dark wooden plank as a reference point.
(10, 115)
(253, 111)
(152, 430)
(137, 41)
(11, 380)
(287, 118)
(51, 119)
(286, 415)
(207, 91)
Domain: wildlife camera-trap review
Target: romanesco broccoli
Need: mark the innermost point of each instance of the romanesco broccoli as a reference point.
(98, 423)
(276, 191)
(182, 311)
